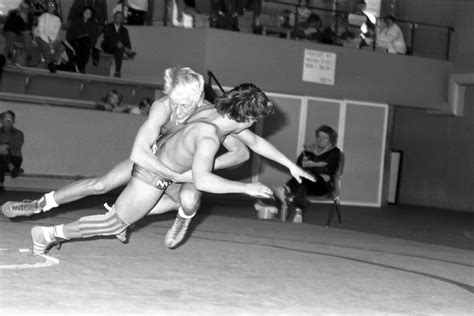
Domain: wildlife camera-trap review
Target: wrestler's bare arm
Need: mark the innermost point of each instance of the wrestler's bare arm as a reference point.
(142, 155)
(205, 180)
(237, 153)
(264, 148)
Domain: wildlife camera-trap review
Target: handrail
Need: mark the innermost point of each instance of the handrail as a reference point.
(79, 76)
(52, 101)
(211, 76)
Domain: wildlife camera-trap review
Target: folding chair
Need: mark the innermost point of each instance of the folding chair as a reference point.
(333, 196)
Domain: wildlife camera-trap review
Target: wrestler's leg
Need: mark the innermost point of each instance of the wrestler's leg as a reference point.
(135, 201)
(179, 195)
(169, 201)
(190, 200)
(119, 175)
(115, 178)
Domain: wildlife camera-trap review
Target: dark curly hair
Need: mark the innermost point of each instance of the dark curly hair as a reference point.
(2, 115)
(329, 131)
(244, 103)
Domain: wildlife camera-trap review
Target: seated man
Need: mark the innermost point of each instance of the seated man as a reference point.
(322, 160)
(117, 42)
(11, 141)
(189, 150)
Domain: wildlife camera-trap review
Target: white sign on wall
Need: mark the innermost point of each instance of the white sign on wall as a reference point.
(319, 67)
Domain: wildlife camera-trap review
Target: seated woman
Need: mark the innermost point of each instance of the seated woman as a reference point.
(322, 159)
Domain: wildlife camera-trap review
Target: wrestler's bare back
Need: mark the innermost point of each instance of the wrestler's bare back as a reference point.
(177, 153)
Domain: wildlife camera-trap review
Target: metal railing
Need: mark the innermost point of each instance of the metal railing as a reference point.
(422, 39)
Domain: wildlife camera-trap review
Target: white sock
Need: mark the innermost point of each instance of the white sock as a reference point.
(50, 201)
(59, 231)
(183, 214)
(48, 233)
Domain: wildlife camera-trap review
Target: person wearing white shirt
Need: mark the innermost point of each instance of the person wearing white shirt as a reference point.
(391, 37)
(46, 34)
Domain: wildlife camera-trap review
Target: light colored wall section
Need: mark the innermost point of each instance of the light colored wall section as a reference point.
(67, 141)
(364, 148)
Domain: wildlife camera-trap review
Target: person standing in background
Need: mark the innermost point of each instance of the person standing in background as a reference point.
(82, 35)
(98, 6)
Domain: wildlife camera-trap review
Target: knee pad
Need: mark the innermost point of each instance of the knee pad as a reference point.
(107, 224)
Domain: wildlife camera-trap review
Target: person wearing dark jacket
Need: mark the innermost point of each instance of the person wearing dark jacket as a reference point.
(98, 6)
(117, 42)
(11, 141)
(18, 28)
(82, 35)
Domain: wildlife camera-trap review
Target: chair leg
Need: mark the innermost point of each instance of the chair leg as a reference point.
(331, 215)
(338, 212)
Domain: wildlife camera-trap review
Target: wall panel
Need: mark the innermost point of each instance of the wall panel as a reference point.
(364, 147)
(282, 131)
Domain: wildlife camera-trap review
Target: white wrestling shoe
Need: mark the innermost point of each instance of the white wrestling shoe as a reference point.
(24, 208)
(298, 219)
(43, 240)
(177, 232)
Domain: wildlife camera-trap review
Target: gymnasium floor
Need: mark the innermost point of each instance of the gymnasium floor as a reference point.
(394, 260)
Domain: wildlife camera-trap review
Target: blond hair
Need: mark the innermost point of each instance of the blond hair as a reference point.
(183, 76)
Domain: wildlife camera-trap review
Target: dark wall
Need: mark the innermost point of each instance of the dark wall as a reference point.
(438, 157)
(438, 162)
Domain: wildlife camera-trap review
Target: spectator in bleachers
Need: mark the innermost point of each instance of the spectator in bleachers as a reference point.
(117, 42)
(111, 102)
(38, 7)
(143, 108)
(303, 11)
(339, 26)
(18, 28)
(183, 13)
(98, 6)
(360, 26)
(311, 29)
(11, 141)
(82, 36)
(134, 11)
(47, 37)
(390, 37)
(225, 15)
